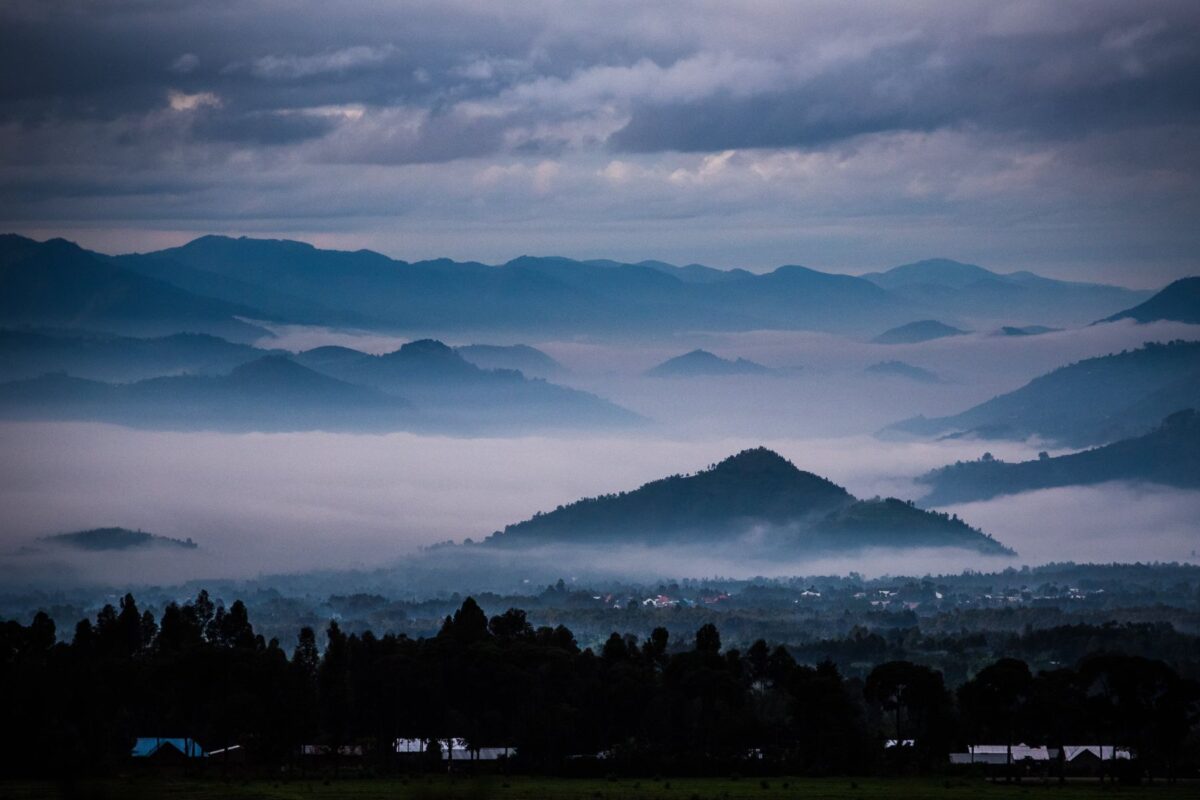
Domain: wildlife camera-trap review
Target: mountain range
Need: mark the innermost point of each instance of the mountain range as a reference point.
(1090, 402)
(1169, 455)
(115, 539)
(190, 381)
(970, 291)
(222, 285)
(756, 498)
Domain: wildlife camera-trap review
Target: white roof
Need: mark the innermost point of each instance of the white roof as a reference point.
(1104, 752)
(1020, 752)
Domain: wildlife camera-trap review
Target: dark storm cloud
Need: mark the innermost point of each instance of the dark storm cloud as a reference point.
(481, 115)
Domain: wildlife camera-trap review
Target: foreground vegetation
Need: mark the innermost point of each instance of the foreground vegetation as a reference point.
(542, 788)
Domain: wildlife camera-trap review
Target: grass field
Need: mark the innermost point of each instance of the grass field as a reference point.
(523, 788)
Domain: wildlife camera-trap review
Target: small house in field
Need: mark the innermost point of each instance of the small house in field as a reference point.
(998, 754)
(452, 749)
(159, 749)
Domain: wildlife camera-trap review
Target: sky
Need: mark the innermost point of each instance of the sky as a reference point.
(1059, 137)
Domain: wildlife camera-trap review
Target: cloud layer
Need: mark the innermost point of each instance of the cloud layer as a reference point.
(1054, 136)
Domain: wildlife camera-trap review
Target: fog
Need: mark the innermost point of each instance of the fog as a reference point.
(277, 503)
(281, 503)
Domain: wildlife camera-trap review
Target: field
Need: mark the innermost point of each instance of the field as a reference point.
(525, 788)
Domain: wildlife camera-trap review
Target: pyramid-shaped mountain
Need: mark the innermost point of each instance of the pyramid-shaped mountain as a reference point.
(757, 492)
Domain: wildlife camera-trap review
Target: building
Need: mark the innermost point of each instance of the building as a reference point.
(452, 749)
(166, 749)
(999, 754)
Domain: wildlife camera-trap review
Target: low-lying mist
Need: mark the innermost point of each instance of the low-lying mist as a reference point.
(279, 503)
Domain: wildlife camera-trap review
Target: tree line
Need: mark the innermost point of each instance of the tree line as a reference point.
(201, 671)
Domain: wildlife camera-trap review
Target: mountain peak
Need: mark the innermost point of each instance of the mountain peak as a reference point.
(756, 461)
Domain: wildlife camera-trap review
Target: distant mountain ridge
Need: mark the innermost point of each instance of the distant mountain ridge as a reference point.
(1169, 455)
(754, 490)
(968, 290)
(58, 284)
(293, 281)
(1090, 402)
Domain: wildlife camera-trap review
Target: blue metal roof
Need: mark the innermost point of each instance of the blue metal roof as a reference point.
(147, 746)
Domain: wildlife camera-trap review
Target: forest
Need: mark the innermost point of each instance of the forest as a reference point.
(658, 706)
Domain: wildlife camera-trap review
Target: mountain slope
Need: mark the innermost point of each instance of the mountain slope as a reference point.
(755, 493)
(703, 363)
(456, 393)
(1090, 402)
(1178, 302)
(1169, 455)
(530, 361)
(966, 290)
(58, 284)
(115, 539)
(270, 394)
(105, 357)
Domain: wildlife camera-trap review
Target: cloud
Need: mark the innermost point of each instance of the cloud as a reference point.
(1050, 136)
(290, 67)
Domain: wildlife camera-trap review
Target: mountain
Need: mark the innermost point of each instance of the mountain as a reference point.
(1027, 330)
(116, 539)
(1090, 402)
(106, 357)
(272, 393)
(697, 273)
(953, 288)
(453, 392)
(701, 362)
(1179, 302)
(921, 331)
(756, 493)
(530, 361)
(58, 284)
(1169, 455)
(900, 369)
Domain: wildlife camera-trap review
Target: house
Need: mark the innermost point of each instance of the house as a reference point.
(166, 749)
(452, 749)
(326, 751)
(1097, 752)
(999, 754)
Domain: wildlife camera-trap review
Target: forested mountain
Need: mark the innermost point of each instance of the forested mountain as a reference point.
(115, 539)
(967, 290)
(1169, 455)
(106, 357)
(756, 490)
(530, 361)
(1090, 402)
(921, 331)
(702, 362)
(58, 284)
(1179, 302)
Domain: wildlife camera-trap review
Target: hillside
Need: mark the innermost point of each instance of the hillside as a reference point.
(106, 357)
(1090, 402)
(116, 539)
(956, 289)
(269, 394)
(1178, 302)
(757, 491)
(530, 361)
(921, 331)
(456, 394)
(58, 284)
(703, 363)
(1169, 455)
